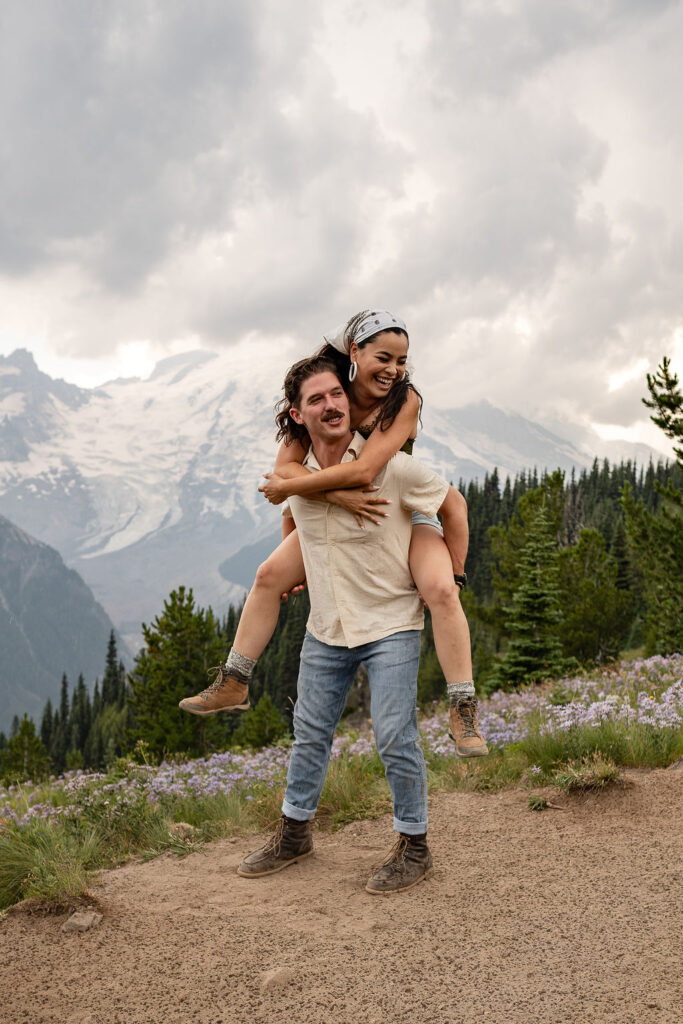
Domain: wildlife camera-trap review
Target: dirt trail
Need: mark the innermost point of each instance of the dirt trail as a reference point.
(564, 916)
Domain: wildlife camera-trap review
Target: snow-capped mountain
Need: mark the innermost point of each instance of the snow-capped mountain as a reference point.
(143, 485)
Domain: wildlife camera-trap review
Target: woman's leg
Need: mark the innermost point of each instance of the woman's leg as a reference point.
(432, 570)
(276, 576)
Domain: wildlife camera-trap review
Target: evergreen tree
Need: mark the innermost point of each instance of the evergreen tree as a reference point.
(122, 686)
(24, 758)
(657, 537)
(534, 650)
(431, 684)
(507, 542)
(278, 668)
(667, 401)
(622, 560)
(96, 700)
(180, 646)
(596, 613)
(261, 726)
(46, 726)
(93, 752)
(111, 678)
(61, 733)
(657, 543)
(81, 716)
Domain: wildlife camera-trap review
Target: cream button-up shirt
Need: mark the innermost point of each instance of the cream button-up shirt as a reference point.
(359, 582)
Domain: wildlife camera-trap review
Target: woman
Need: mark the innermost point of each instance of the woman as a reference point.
(371, 350)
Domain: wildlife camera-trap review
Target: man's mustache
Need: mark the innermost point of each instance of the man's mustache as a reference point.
(331, 415)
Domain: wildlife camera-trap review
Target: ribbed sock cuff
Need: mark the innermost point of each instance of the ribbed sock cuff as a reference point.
(458, 690)
(239, 666)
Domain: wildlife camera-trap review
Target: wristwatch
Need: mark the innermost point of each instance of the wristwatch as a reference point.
(460, 579)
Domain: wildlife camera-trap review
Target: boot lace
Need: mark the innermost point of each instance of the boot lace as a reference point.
(397, 856)
(218, 681)
(275, 842)
(467, 709)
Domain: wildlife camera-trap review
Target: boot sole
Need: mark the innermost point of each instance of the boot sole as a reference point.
(470, 753)
(404, 888)
(233, 709)
(273, 871)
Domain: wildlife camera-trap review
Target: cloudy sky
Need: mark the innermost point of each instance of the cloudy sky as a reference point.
(504, 174)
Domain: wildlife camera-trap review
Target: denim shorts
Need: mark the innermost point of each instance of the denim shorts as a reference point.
(418, 518)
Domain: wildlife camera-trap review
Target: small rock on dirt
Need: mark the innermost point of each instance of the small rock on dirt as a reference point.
(82, 921)
(277, 978)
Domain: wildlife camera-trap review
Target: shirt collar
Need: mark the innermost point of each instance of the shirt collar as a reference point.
(351, 453)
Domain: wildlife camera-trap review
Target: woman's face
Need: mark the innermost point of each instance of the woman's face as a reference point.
(381, 363)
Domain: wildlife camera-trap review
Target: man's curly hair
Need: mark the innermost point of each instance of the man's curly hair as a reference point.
(287, 430)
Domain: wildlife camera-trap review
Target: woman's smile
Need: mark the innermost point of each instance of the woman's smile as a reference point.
(381, 363)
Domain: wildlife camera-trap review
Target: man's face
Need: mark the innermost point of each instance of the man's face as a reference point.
(323, 408)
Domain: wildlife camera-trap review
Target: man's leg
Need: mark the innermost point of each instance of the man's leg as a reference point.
(325, 677)
(392, 665)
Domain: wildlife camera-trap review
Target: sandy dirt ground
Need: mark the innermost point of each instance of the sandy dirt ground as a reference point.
(569, 915)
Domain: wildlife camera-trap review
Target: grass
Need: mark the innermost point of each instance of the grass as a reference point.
(46, 864)
(55, 836)
(629, 745)
(590, 774)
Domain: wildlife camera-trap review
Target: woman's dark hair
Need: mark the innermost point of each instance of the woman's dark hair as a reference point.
(287, 430)
(397, 395)
(329, 359)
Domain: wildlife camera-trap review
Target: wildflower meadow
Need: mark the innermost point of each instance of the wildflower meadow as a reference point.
(54, 834)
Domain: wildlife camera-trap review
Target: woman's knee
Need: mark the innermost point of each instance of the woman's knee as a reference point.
(267, 576)
(440, 592)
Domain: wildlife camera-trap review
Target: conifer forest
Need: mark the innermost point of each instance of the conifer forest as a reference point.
(564, 572)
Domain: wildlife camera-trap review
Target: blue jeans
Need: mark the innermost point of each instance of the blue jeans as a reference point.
(325, 677)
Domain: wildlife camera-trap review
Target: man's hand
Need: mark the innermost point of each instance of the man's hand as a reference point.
(358, 501)
(294, 591)
(275, 488)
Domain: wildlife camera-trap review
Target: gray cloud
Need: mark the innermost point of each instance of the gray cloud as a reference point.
(177, 170)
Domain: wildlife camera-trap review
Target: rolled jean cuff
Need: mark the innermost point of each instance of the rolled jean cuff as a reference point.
(410, 828)
(298, 813)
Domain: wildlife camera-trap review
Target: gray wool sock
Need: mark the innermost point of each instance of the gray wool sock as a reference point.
(239, 666)
(458, 690)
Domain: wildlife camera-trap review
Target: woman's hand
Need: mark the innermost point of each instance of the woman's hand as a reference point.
(358, 501)
(275, 488)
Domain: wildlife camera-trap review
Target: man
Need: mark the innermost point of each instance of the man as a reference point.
(364, 609)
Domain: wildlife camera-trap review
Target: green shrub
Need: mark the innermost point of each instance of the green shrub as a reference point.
(41, 861)
(590, 773)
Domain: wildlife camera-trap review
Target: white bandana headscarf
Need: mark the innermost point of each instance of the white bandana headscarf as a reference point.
(361, 327)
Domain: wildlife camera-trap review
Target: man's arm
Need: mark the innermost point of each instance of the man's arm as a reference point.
(456, 532)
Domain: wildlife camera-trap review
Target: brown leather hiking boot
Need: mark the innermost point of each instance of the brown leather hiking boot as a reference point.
(469, 742)
(291, 841)
(408, 863)
(225, 694)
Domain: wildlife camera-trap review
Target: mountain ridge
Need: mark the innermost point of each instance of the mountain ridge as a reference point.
(50, 623)
(146, 484)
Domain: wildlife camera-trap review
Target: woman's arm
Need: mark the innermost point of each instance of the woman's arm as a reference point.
(378, 449)
(290, 455)
(358, 501)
